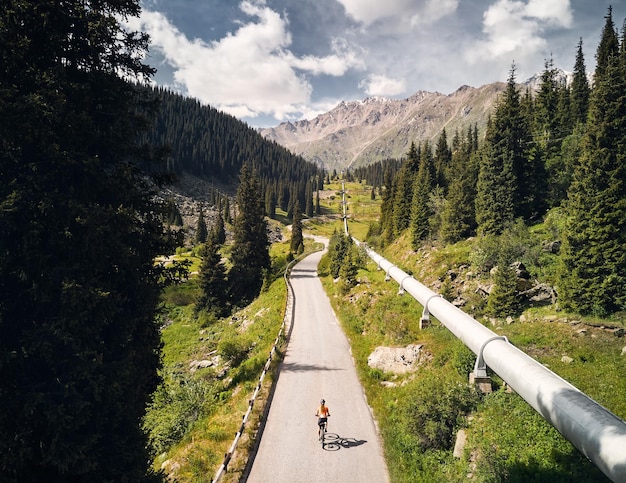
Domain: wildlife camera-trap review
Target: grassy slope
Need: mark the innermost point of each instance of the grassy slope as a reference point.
(507, 440)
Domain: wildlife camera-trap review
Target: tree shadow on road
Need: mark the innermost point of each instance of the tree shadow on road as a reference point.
(334, 442)
(295, 367)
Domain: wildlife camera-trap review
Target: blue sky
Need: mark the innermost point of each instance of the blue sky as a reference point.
(269, 61)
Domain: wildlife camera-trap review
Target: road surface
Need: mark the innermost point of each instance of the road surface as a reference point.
(317, 365)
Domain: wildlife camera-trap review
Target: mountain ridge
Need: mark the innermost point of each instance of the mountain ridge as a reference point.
(361, 132)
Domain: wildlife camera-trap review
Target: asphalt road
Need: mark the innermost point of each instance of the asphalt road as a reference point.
(317, 365)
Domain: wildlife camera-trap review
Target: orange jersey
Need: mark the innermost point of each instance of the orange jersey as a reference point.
(323, 411)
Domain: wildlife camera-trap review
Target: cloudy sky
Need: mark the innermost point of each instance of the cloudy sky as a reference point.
(268, 61)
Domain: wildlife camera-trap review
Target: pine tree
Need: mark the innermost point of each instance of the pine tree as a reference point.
(212, 278)
(508, 177)
(503, 300)
(420, 210)
(580, 87)
(443, 159)
(608, 47)
(218, 230)
(201, 229)
(458, 218)
(592, 277)
(250, 253)
(403, 192)
(79, 232)
(297, 240)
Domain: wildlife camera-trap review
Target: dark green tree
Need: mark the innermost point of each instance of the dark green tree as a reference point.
(580, 88)
(297, 240)
(503, 301)
(403, 192)
(250, 252)
(202, 231)
(442, 161)
(79, 232)
(420, 209)
(593, 272)
(212, 278)
(458, 215)
(349, 268)
(338, 249)
(494, 192)
(608, 47)
(218, 230)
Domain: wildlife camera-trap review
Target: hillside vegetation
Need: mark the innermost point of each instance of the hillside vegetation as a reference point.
(420, 414)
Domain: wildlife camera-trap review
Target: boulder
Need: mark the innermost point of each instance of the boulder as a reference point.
(398, 360)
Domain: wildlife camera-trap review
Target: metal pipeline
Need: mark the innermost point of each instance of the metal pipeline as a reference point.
(596, 432)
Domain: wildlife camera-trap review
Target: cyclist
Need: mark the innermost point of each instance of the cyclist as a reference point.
(322, 413)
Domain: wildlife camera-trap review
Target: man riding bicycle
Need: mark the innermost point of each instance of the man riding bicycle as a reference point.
(322, 413)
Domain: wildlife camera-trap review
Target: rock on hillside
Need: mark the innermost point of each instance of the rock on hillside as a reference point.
(358, 133)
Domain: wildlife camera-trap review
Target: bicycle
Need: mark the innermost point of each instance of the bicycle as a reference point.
(322, 431)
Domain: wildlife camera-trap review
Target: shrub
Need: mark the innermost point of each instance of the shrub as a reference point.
(436, 410)
(234, 349)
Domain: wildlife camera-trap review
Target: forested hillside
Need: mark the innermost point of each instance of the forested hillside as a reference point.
(558, 153)
(207, 143)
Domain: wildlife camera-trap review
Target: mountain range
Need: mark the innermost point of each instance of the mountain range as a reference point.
(357, 133)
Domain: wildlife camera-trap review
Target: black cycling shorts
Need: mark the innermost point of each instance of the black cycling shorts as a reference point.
(321, 421)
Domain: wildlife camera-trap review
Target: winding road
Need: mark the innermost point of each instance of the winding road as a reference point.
(317, 365)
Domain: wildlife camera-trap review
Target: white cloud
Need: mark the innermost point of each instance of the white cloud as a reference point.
(250, 71)
(416, 12)
(514, 29)
(381, 85)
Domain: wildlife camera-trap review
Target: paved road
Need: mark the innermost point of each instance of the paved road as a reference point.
(317, 365)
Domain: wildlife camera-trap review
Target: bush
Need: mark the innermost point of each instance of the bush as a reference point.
(175, 406)
(234, 349)
(436, 410)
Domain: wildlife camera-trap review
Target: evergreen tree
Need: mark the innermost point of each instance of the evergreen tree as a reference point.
(386, 207)
(593, 273)
(403, 192)
(250, 253)
(420, 210)
(608, 48)
(270, 202)
(219, 231)
(503, 300)
(349, 268)
(309, 199)
(201, 229)
(458, 215)
(227, 215)
(443, 159)
(297, 240)
(79, 232)
(318, 206)
(508, 178)
(338, 249)
(494, 192)
(212, 278)
(580, 87)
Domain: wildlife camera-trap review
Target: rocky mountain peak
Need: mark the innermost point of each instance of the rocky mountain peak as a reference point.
(360, 132)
